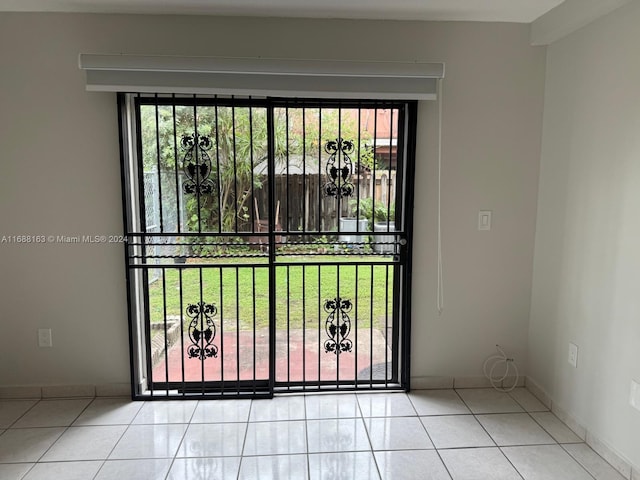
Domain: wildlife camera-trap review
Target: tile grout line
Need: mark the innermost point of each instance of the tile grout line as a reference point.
(556, 443)
(431, 439)
(306, 437)
(84, 410)
(510, 462)
(550, 411)
(188, 424)
(476, 419)
(492, 439)
(375, 461)
(584, 466)
(117, 442)
(26, 411)
(17, 419)
(306, 420)
(66, 429)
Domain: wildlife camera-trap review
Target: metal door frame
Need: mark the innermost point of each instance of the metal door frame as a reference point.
(138, 305)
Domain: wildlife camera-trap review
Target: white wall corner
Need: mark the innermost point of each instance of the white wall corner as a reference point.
(510, 380)
(568, 17)
(610, 454)
(571, 422)
(431, 383)
(538, 392)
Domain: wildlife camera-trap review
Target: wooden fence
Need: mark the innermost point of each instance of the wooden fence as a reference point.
(303, 206)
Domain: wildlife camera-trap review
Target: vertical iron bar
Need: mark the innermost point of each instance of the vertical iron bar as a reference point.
(288, 327)
(386, 326)
(197, 151)
(288, 228)
(304, 326)
(371, 331)
(253, 288)
(304, 171)
(253, 197)
(235, 167)
(340, 160)
(202, 330)
(356, 329)
(147, 327)
(319, 330)
(175, 158)
(166, 342)
(181, 332)
(389, 172)
(319, 175)
(272, 247)
(319, 230)
(219, 175)
(358, 223)
(375, 180)
(358, 166)
(158, 164)
(238, 330)
(221, 310)
(339, 320)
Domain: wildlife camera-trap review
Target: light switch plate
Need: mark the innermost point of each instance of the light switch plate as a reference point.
(44, 337)
(484, 220)
(573, 355)
(634, 397)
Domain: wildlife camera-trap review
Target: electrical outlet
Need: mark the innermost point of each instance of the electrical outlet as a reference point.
(44, 337)
(573, 355)
(634, 397)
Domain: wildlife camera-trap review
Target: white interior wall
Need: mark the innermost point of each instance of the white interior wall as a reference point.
(60, 175)
(587, 256)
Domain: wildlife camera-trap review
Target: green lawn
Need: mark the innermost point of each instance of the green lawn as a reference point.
(300, 291)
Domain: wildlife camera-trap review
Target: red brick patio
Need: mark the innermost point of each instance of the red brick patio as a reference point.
(306, 360)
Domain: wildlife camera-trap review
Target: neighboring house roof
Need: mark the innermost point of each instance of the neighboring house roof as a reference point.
(380, 123)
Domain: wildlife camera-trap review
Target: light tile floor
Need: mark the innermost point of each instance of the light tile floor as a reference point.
(465, 434)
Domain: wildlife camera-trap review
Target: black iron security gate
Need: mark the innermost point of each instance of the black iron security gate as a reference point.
(269, 244)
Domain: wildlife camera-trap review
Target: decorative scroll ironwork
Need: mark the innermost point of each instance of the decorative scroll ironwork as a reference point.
(338, 325)
(339, 176)
(197, 164)
(202, 330)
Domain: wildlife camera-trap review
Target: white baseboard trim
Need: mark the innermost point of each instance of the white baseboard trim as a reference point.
(477, 381)
(65, 391)
(610, 454)
(113, 390)
(538, 392)
(431, 383)
(20, 391)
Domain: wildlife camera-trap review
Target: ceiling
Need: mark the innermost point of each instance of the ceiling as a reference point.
(522, 11)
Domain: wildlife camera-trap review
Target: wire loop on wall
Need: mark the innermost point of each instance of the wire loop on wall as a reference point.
(501, 360)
